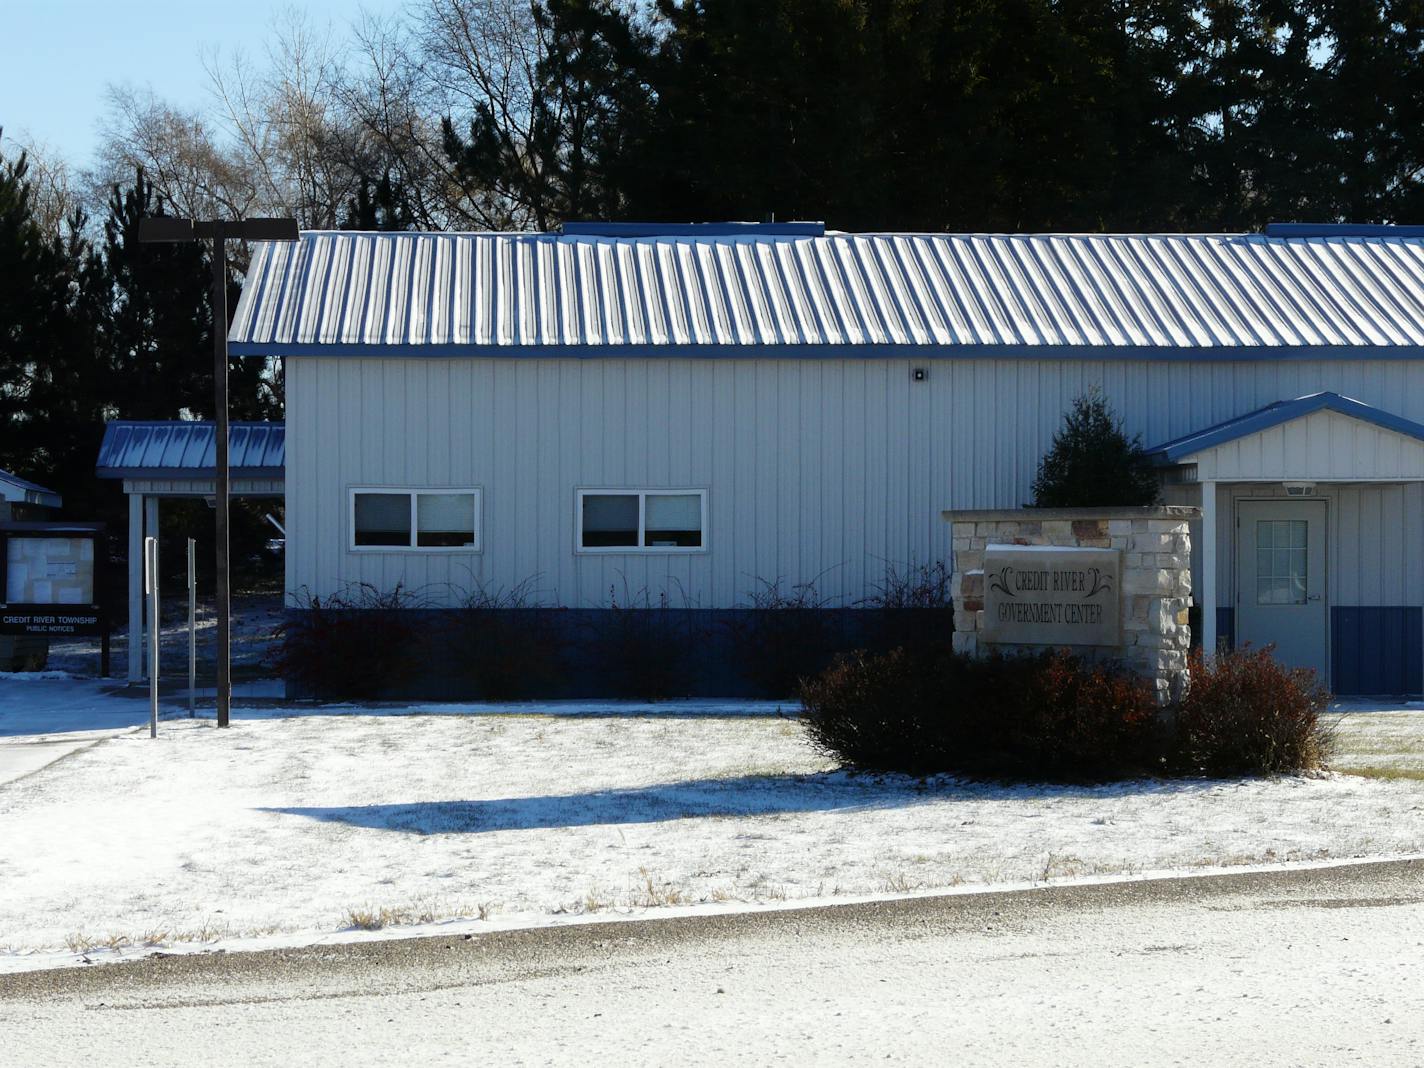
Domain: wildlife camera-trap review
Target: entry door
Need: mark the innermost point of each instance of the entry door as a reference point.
(1280, 587)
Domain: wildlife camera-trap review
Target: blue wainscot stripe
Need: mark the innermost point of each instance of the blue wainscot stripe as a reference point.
(1377, 650)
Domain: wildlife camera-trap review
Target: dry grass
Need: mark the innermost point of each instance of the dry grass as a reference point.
(1380, 745)
(651, 894)
(372, 918)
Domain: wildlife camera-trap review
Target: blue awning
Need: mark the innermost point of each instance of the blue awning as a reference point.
(184, 449)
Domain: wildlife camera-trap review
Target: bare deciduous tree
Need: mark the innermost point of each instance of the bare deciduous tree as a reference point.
(179, 152)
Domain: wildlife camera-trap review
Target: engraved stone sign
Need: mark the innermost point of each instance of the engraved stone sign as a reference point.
(1052, 595)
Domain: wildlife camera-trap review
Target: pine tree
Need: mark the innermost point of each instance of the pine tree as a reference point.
(156, 325)
(1092, 463)
(51, 390)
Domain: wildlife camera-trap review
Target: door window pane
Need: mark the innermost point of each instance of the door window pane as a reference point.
(1281, 561)
(673, 520)
(382, 519)
(610, 520)
(445, 520)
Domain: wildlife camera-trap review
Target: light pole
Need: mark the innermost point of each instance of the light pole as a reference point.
(169, 230)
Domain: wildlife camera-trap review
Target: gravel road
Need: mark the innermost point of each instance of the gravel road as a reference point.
(1320, 966)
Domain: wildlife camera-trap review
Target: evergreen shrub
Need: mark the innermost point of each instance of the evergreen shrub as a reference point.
(1093, 464)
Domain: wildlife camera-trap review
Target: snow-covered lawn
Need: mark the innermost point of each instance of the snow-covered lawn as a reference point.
(306, 824)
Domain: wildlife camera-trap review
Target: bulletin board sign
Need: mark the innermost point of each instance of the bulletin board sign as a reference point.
(49, 579)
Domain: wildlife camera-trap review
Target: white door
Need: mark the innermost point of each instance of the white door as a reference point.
(1280, 587)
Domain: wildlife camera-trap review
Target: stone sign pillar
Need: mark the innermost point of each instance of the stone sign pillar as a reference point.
(1104, 583)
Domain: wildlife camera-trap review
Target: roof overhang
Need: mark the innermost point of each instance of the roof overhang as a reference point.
(1183, 448)
(17, 490)
(1323, 437)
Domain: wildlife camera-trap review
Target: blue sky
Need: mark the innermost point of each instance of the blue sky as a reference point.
(57, 56)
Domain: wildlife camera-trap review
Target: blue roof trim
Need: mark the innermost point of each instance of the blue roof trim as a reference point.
(29, 492)
(868, 350)
(1178, 449)
(704, 229)
(186, 449)
(195, 474)
(1300, 229)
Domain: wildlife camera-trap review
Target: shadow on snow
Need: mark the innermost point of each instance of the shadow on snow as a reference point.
(759, 795)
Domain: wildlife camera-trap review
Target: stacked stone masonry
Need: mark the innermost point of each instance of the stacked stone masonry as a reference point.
(1156, 579)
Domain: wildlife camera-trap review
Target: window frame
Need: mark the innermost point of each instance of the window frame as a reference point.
(642, 493)
(414, 493)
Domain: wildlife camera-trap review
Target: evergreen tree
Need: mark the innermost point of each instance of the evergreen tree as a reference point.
(155, 323)
(51, 386)
(1092, 463)
(378, 205)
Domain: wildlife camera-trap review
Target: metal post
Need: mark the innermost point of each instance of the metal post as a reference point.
(192, 625)
(136, 587)
(166, 229)
(1209, 592)
(224, 594)
(150, 587)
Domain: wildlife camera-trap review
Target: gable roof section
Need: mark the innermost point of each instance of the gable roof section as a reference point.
(17, 490)
(729, 294)
(1273, 415)
(180, 449)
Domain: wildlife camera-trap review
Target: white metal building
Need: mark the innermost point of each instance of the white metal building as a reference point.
(694, 409)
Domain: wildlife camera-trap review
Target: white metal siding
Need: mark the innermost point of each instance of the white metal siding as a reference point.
(1322, 445)
(816, 469)
(1373, 534)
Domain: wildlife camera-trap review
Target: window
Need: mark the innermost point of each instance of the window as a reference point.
(415, 519)
(1281, 561)
(642, 520)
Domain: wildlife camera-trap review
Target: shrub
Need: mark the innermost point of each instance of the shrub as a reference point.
(912, 607)
(783, 637)
(1244, 712)
(1063, 717)
(924, 709)
(884, 712)
(642, 646)
(503, 644)
(1092, 463)
(359, 644)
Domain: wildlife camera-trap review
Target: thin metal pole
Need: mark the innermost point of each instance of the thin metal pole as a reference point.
(150, 587)
(192, 625)
(224, 597)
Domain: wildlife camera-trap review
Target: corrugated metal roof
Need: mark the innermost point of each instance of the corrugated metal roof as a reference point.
(19, 490)
(186, 449)
(940, 294)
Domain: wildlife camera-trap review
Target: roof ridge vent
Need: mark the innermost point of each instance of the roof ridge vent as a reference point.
(1304, 229)
(693, 229)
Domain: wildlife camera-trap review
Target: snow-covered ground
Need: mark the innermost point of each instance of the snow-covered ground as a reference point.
(255, 620)
(294, 824)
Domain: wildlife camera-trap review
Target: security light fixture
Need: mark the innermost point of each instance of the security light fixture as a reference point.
(919, 374)
(1300, 489)
(165, 229)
